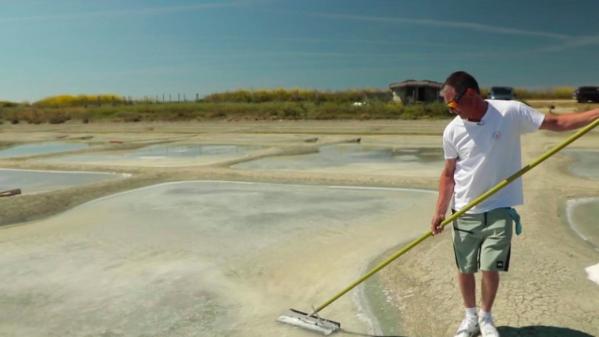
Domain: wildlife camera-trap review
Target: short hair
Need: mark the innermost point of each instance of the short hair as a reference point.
(461, 80)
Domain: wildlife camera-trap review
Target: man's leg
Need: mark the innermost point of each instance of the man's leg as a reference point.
(495, 257)
(468, 289)
(466, 243)
(489, 286)
(469, 326)
(495, 254)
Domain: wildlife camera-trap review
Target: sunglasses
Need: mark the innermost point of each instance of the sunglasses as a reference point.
(453, 104)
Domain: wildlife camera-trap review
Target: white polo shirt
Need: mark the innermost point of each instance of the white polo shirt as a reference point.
(487, 152)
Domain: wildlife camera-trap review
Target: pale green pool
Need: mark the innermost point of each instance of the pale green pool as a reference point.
(162, 155)
(356, 158)
(25, 150)
(586, 163)
(198, 258)
(35, 181)
(583, 217)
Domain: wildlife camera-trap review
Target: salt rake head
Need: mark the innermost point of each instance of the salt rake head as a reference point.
(310, 322)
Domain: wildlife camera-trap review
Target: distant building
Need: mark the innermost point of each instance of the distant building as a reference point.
(411, 91)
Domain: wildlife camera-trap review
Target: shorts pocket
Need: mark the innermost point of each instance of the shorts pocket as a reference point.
(456, 228)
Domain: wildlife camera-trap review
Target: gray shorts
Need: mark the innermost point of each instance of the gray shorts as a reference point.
(483, 241)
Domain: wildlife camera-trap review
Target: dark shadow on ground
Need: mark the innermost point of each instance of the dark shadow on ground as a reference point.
(363, 334)
(540, 331)
(506, 331)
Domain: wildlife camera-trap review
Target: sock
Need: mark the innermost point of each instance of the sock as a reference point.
(484, 314)
(471, 313)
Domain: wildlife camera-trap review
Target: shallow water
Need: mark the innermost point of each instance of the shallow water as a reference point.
(583, 216)
(40, 148)
(189, 150)
(33, 181)
(357, 158)
(163, 155)
(586, 163)
(198, 258)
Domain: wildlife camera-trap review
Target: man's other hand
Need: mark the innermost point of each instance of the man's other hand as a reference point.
(436, 224)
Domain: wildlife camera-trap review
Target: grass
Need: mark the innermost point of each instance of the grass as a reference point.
(299, 95)
(274, 104)
(226, 111)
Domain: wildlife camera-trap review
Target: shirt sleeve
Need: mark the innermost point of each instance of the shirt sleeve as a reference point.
(529, 119)
(449, 150)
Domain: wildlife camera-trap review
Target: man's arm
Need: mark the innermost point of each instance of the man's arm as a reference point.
(446, 184)
(569, 121)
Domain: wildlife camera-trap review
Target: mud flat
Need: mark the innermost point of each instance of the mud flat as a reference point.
(546, 292)
(551, 269)
(582, 213)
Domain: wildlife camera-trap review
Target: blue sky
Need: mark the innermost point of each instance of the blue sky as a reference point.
(149, 48)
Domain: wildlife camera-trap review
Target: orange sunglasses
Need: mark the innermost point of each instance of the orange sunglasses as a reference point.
(453, 104)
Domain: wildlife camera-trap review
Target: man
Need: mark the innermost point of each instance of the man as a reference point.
(482, 147)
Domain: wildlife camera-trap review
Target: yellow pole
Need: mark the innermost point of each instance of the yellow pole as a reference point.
(459, 213)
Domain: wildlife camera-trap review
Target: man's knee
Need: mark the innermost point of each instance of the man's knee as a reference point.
(490, 275)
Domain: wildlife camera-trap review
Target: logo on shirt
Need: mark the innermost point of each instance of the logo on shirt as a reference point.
(497, 135)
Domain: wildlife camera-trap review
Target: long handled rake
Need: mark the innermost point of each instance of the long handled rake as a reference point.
(314, 322)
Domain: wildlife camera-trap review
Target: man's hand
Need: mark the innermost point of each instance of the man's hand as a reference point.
(436, 224)
(569, 121)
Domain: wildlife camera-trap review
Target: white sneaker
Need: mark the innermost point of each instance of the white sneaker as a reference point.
(487, 327)
(468, 328)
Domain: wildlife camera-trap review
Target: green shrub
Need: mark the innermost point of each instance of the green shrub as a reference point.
(58, 118)
(7, 104)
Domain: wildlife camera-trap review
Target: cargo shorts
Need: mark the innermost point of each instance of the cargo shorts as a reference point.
(483, 241)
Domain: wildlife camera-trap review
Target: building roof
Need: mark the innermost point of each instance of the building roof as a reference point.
(415, 83)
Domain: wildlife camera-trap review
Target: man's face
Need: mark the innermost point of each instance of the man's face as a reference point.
(452, 98)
